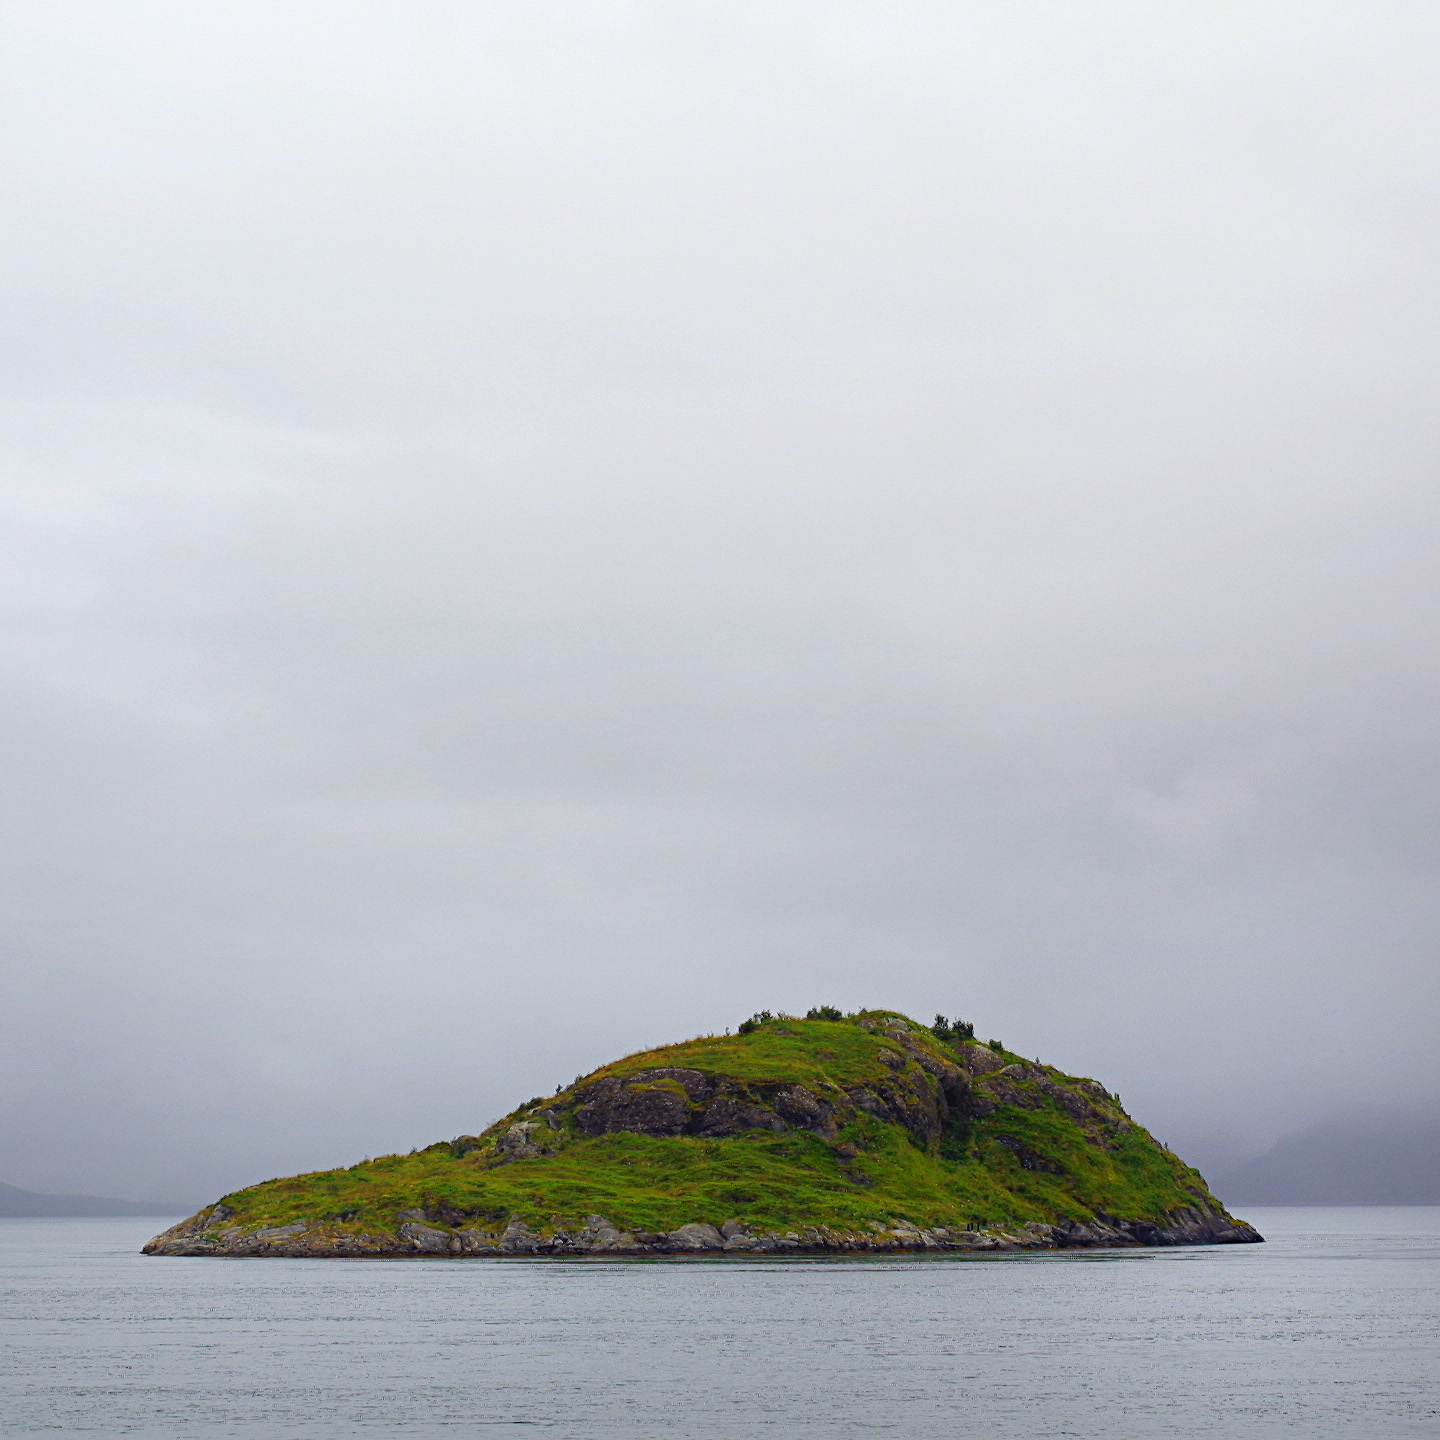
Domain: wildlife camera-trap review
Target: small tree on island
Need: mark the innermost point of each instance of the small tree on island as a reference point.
(955, 1032)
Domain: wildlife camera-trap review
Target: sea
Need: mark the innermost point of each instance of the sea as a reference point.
(1330, 1329)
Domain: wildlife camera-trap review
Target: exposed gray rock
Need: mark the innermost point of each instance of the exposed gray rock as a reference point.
(279, 1232)
(600, 1235)
(980, 1059)
(646, 1106)
(520, 1239)
(620, 1241)
(525, 1140)
(425, 1237)
(474, 1241)
(927, 1092)
(1009, 1088)
(697, 1085)
(734, 1111)
(696, 1236)
(1079, 1102)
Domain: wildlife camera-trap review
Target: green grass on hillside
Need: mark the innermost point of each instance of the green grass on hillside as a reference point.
(872, 1172)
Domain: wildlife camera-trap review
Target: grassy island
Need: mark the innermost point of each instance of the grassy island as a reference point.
(832, 1133)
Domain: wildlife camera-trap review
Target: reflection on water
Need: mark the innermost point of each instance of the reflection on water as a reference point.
(1332, 1329)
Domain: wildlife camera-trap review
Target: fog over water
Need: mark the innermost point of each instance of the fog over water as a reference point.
(539, 529)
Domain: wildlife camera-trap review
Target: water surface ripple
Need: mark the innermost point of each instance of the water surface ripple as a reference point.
(1331, 1329)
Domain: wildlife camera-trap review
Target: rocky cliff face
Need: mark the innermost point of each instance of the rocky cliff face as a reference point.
(865, 1135)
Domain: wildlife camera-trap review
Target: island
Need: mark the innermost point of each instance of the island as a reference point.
(841, 1134)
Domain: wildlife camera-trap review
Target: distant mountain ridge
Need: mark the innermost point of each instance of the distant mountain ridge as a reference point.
(16, 1204)
(1348, 1160)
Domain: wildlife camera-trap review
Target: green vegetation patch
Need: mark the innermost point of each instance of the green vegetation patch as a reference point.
(803, 1052)
(910, 1126)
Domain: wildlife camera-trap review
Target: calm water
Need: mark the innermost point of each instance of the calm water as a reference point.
(1331, 1329)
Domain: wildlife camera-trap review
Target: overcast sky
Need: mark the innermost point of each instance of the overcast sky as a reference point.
(532, 530)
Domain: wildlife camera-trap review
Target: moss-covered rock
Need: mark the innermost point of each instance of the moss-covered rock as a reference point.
(859, 1134)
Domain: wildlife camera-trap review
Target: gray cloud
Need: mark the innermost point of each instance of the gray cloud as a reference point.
(537, 530)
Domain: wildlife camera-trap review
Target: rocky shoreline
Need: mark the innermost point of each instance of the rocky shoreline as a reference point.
(418, 1235)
